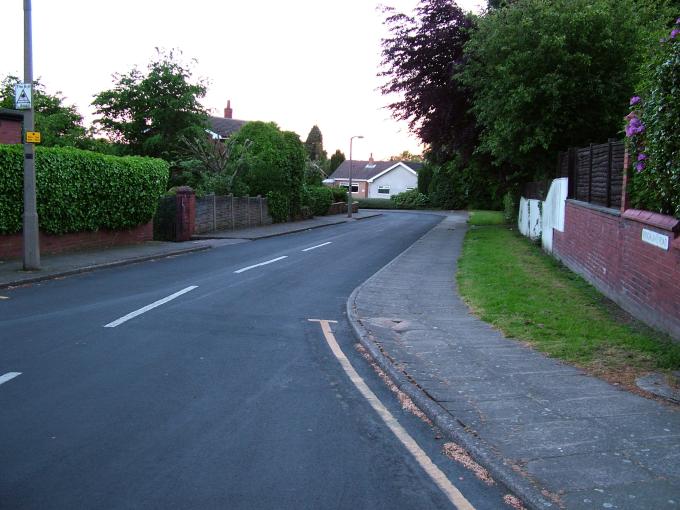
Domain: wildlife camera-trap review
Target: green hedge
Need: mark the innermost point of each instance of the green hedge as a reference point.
(375, 203)
(318, 199)
(80, 190)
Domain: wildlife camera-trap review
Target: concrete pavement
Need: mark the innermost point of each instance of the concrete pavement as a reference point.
(555, 436)
(55, 266)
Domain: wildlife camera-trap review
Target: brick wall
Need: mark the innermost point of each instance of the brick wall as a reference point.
(11, 246)
(229, 213)
(10, 131)
(606, 248)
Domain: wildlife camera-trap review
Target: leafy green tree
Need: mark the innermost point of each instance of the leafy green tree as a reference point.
(314, 145)
(59, 125)
(550, 75)
(406, 156)
(150, 112)
(336, 160)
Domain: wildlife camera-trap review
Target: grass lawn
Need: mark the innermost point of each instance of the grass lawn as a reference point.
(509, 282)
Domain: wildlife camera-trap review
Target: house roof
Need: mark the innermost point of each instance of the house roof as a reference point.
(6, 113)
(367, 170)
(225, 127)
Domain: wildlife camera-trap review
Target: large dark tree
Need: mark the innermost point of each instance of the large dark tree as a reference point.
(151, 112)
(419, 60)
(314, 145)
(336, 160)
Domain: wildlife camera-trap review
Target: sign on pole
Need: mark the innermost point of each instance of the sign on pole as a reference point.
(22, 96)
(32, 137)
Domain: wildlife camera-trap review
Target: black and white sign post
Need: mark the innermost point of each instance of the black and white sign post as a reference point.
(31, 237)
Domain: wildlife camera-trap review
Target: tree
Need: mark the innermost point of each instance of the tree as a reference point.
(314, 145)
(59, 125)
(336, 160)
(406, 156)
(550, 75)
(274, 162)
(419, 59)
(150, 112)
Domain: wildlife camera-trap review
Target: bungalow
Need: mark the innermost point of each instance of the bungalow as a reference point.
(221, 128)
(376, 179)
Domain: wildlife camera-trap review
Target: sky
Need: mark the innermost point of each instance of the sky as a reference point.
(297, 63)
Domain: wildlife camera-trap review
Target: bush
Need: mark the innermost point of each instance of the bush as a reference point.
(273, 161)
(509, 207)
(411, 199)
(339, 194)
(653, 134)
(278, 205)
(80, 190)
(318, 199)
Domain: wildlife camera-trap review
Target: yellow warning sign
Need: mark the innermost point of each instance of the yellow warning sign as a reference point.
(32, 137)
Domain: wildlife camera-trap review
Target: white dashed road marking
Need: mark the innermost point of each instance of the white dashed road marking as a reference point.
(8, 376)
(260, 264)
(153, 305)
(317, 246)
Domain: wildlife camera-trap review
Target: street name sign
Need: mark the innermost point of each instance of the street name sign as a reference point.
(655, 239)
(22, 96)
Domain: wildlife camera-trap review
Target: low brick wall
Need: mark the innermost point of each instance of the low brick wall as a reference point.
(341, 207)
(607, 249)
(11, 246)
(230, 213)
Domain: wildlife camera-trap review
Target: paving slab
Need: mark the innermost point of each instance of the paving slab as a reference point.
(554, 435)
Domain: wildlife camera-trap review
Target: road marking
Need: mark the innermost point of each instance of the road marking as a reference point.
(317, 246)
(4, 297)
(438, 477)
(261, 264)
(153, 305)
(8, 376)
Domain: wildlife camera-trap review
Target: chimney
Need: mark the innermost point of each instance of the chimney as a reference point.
(370, 160)
(228, 111)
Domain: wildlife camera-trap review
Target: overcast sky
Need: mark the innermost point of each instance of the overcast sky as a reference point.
(297, 63)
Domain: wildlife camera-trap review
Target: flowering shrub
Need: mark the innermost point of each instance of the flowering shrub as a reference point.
(653, 132)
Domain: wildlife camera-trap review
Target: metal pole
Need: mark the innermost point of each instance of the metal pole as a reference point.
(349, 191)
(30, 233)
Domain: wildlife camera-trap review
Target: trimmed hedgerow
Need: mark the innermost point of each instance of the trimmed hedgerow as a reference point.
(80, 190)
(318, 199)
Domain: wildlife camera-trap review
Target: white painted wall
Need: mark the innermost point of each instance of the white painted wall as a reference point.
(553, 211)
(398, 179)
(529, 219)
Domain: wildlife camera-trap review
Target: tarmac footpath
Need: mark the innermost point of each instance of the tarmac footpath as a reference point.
(555, 436)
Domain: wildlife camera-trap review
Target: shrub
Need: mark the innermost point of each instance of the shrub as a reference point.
(80, 190)
(278, 205)
(509, 207)
(339, 194)
(411, 199)
(318, 199)
(653, 134)
(273, 161)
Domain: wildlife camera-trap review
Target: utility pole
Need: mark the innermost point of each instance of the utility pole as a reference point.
(30, 225)
(349, 191)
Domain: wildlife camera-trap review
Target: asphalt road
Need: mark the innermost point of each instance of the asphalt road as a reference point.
(225, 396)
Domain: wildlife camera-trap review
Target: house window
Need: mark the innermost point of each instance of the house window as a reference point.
(384, 189)
(355, 187)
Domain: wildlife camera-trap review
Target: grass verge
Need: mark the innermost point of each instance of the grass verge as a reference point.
(509, 282)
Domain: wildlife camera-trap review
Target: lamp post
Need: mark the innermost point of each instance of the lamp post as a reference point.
(349, 191)
(30, 220)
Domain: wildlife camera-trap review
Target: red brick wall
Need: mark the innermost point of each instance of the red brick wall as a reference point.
(10, 131)
(11, 246)
(606, 248)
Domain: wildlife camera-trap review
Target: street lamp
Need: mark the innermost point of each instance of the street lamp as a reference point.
(349, 191)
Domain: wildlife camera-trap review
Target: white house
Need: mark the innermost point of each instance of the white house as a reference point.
(376, 179)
